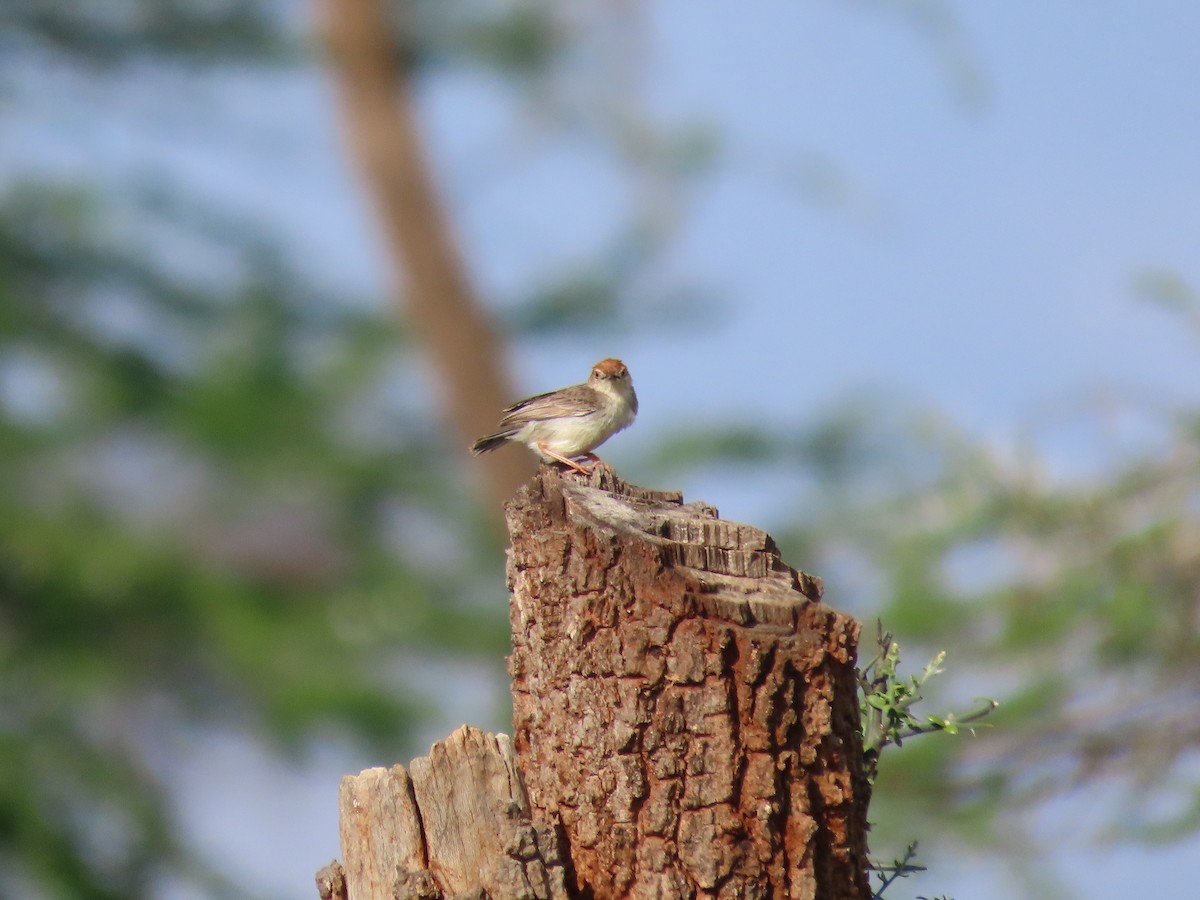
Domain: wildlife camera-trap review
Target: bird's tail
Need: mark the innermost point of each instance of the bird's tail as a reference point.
(491, 442)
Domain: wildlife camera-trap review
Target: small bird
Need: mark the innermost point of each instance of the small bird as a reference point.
(572, 421)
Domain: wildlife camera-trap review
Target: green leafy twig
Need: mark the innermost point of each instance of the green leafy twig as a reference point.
(886, 701)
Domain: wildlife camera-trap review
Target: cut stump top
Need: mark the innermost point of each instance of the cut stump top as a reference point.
(737, 568)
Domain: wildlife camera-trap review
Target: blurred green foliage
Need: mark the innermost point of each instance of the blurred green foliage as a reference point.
(109, 33)
(195, 526)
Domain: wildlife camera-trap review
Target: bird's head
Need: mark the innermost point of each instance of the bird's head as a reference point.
(609, 370)
(609, 376)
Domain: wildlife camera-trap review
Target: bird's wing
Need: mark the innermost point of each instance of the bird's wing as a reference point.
(551, 405)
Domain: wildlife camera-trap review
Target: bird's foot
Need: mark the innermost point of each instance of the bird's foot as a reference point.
(597, 464)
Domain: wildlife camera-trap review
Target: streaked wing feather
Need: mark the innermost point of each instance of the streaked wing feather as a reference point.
(551, 405)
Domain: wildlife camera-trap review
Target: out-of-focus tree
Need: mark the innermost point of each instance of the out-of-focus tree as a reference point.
(376, 97)
(210, 490)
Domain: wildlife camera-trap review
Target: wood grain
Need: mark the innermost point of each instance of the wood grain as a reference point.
(455, 822)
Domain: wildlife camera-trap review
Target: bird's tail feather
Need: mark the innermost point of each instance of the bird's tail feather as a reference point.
(491, 442)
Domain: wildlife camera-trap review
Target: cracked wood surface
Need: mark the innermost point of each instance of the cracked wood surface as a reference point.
(455, 823)
(684, 705)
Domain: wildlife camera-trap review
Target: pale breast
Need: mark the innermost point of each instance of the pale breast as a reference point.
(572, 436)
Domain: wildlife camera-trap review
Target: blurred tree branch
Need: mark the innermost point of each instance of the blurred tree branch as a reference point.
(379, 118)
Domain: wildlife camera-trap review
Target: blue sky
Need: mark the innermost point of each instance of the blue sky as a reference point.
(975, 254)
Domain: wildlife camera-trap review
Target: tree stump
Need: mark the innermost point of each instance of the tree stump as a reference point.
(685, 721)
(455, 823)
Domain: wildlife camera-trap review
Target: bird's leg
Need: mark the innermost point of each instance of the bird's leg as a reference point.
(566, 461)
(596, 461)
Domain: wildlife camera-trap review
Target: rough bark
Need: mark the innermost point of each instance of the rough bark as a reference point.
(685, 723)
(684, 706)
(375, 98)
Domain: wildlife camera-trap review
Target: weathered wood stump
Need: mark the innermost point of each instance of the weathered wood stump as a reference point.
(454, 823)
(685, 722)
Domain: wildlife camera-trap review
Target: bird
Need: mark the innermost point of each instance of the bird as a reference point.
(572, 421)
